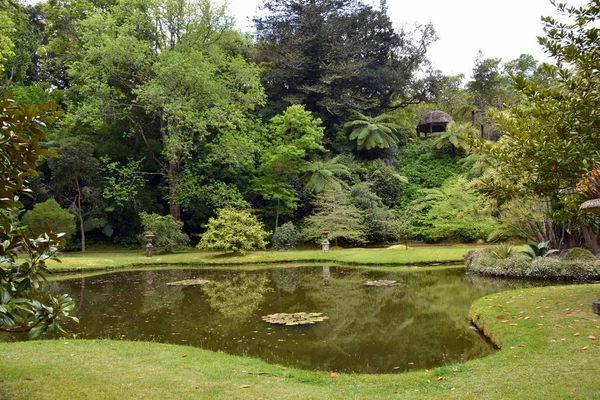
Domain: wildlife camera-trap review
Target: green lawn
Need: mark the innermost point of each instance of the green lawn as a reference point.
(357, 256)
(546, 336)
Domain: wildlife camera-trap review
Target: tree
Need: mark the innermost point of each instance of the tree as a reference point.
(166, 230)
(22, 307)
(551, 138)
(75, 181)
(50, 213)
(334, 210)
(456, 136)
(293, 136)
(321, 175)
(376, 132)
(336, 55)
(235, 230)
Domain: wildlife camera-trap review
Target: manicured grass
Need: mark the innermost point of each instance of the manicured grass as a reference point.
(546, 336)
(383, 256)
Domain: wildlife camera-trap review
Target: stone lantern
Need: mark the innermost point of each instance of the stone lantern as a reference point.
(325, 242)
(149, 247)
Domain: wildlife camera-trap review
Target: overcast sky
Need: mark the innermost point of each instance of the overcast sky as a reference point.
(500, 28)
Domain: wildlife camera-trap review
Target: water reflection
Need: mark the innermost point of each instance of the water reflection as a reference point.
(421, 323)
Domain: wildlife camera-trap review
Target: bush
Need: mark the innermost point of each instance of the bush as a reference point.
(520, 265)
(50, 212)
(285, 237)
(502, 251)
(235, 230)
(167, 232)
(578, 253)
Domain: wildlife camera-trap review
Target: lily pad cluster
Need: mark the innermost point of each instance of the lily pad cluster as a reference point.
(381, 283)
(300, 318)
(188, 282)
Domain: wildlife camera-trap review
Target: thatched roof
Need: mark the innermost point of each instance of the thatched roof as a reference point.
(434, 121)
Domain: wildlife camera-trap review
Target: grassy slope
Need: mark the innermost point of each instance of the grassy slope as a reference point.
(412, 256)
(542, 357)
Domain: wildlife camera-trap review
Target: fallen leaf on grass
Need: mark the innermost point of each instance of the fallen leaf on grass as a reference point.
(577, 334)
(184, 356)
(333, 374)
(500, 317)
(592, 337)
(585, 348)
(244, 386)
(441, 378)
(73, 355)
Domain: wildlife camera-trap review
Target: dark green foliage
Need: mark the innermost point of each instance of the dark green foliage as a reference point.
(336, 55)
(539, 250)
(520, 265)
(285, 237)
(23, 254)
(234, 230)
(51, 213)
(378, 220)
(167, 232)
(578, 253)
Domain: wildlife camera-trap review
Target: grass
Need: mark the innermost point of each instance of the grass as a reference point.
(545, 335)
(379, 256)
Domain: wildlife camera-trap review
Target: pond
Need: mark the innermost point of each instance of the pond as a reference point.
(419, 323)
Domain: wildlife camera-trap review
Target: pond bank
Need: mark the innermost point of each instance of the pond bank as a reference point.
(413, 256)
(546, 335)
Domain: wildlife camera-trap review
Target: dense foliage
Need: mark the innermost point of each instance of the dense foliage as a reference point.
(170, 110)
(50, 213)
(166, 230)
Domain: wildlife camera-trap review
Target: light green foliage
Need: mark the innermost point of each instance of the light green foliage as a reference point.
(424, 169)
(373, 132)
(6, 30)
(122, 183)
(23, 254)
(234, 230)
(324, 174)
(335, 210)
(166, 230)
(502, 251)
(385, 182)
(456, 136)
(285, 237)
(51, 213)
(578, 253)
(293, 136)
(452, 211)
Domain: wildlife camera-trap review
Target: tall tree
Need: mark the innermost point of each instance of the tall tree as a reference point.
(336, 55)
(551, 138)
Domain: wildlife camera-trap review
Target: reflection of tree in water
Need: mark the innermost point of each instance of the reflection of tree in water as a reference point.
(238, 298)
(286, 279)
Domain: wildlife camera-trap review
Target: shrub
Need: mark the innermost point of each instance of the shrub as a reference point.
(521, 265)
(578, 253)
(50, 212)
(167, 232)
(502, 251)
(235, 230)
(538, 250)
(285, 237)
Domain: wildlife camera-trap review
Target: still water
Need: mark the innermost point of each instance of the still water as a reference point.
(421, 323)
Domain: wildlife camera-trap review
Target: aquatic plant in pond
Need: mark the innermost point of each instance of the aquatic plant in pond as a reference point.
(301, 318)
(419, 323)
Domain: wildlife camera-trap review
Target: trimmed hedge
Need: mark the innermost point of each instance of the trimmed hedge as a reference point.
(520, 265)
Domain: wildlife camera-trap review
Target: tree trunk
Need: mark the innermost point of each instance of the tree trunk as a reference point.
(82, 232)
(174, 206)
(590, 238)
(277, 215)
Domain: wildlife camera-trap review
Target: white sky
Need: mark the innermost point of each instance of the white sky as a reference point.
(500, 29)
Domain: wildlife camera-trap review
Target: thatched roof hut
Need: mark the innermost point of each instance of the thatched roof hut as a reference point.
(434, 122)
